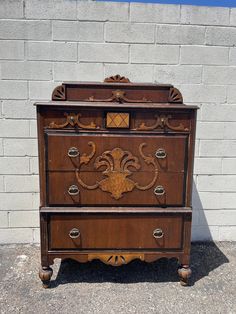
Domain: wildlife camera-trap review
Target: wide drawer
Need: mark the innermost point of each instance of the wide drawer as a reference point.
(117, 231)
(70, 151)
(98, 189)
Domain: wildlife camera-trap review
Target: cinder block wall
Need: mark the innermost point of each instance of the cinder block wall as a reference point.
(45, 42)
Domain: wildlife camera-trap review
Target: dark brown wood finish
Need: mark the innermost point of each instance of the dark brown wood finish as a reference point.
(116, 163)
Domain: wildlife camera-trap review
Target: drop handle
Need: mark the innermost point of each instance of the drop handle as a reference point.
(160, 153)
(159, 190)
(73, 190)
(158, 233)
(74, 233)
(73, 152)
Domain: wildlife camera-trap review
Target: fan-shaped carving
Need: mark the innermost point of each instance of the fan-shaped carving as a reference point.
(116, 79)
(175, 96)
(59, 93)
(117, 259)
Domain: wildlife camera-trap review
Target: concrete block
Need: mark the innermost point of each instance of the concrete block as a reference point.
(204, 55)
(217, 183)
(50, 9)
(78, 31)
(1, 147)
(20, 147)
(229, 166)
(78, 72)
(204, 15)
(154, 13)
(154, 54)
(205, 233)
(52, 51)
(230, 131)
(13, 90)
(135, 72)
(212, 112)
(217, 217)
(231, 94)
(20, 183)
(175, 74)
(34, 165)
(218, 148)
(210, 130)
(219, 75)
(18, 201)
(180, 34)
(11, 9)
(11, 49)
(33, 129)
(214, 200)
(36, 235)
(41, 90)
(18, 109)
(233, 16)
(24, 219)
(31, 70)
(232, 56)
(220, 36)
(130, 33)
(227, 233)
(2, 184)
(103, 52)
(102, 11)
(16, 235)
(207, 166)
(3, 219)
(17, 29)
(13, 128)
(14, 165)
(203, 93)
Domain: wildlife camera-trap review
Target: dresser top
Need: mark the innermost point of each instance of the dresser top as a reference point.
(117, 91)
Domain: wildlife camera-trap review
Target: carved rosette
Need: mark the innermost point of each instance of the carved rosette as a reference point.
(59, 93)
(116, 259)
(175, 96)
(116, 79)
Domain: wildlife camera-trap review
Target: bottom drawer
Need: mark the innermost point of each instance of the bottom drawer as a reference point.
(115, 231)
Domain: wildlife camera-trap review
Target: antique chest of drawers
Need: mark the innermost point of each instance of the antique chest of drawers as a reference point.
(116, 162)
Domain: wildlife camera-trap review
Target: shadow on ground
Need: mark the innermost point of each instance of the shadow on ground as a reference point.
(205, 257)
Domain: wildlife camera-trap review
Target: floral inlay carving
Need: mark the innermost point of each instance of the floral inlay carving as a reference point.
(118, 163)
(117, 259)
(73, 120)
(119, 96)
(162, 121)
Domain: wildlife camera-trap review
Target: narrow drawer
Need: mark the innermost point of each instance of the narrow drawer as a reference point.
(99, 232)
(64, 189)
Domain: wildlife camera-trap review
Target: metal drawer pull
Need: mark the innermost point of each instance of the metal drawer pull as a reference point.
(158, 233)
(159, 190)
(73, 152)
(73, 190)
(74, 233)
(161, 153)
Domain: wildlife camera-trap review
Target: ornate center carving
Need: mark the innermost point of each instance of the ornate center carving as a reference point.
(118, 163)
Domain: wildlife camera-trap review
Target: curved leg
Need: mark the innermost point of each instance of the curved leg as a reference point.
(184, 273)
(45, 274)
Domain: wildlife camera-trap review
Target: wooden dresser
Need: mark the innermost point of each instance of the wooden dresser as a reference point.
(116, 163)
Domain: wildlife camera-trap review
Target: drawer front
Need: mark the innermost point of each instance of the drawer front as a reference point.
(86, 232)
(65, 152)
(60, 191)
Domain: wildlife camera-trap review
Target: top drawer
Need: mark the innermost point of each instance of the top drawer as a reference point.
(66, 152)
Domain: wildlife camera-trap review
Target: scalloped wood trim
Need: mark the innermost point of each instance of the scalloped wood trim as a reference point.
(116, 259)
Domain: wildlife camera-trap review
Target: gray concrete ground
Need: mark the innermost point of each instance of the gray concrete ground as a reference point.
(135, 288)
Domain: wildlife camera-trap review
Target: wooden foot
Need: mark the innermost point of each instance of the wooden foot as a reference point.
(45, 274)
(184, 274)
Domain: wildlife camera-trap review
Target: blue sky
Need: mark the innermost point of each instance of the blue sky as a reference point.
(222, 3)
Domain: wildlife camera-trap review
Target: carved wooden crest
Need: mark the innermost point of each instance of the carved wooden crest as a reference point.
(118, 163)
(116, 79)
